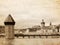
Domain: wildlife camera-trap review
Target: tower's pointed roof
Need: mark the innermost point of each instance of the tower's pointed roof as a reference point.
(9, 19)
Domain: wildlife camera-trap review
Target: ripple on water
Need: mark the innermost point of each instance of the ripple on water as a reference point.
(18, 41)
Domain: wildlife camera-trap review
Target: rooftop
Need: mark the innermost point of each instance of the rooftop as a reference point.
(9, 19)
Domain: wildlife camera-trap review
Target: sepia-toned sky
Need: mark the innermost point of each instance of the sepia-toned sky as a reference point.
(28, 13)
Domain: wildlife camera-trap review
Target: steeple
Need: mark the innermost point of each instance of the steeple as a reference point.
(42, 23)
(9, 20)
(50, 23)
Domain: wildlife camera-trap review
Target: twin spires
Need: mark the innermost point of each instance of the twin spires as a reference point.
(9, 20)
(44, 23)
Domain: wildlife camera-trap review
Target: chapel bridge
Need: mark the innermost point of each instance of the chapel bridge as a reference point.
(37, 35)
(34, 35)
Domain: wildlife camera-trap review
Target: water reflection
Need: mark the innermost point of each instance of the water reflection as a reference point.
(18, 41)
(9, 42)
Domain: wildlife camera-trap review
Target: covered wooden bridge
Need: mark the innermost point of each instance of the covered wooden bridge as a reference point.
(37, 35)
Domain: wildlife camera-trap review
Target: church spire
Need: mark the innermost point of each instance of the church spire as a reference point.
(42, 23)
(50, 23)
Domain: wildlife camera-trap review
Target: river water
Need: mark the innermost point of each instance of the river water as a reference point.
(32, 41)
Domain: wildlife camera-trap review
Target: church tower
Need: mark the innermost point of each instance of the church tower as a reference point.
(42, 23)
(9, 27)
(50, 24)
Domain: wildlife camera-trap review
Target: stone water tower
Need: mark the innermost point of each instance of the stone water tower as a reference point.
(9, 27)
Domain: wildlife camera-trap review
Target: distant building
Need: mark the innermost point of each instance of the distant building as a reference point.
(45, 30)
(51, 29)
